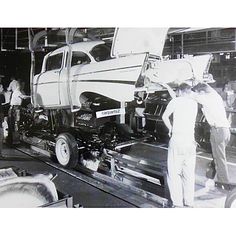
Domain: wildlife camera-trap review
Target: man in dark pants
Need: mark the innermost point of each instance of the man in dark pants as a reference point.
(214, 111)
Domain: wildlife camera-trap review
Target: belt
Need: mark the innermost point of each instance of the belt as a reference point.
(15, 106)
(218, 127)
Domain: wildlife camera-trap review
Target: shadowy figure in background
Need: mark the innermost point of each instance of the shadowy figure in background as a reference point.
(2, 100)
(228, 96)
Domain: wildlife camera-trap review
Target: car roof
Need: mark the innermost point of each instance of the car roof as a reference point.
(83, 46)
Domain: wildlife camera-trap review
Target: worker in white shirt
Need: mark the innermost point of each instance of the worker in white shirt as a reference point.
(14, 111)
(17, 97)
(13, 84)
(214, 111)
(182, 146)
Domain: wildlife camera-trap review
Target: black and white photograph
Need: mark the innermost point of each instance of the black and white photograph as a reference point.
(101, 118)
(136, 117)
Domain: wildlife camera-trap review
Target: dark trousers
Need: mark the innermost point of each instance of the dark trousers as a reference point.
(13, 119)
(219, 139)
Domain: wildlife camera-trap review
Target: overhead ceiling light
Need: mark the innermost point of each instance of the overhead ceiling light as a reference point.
(227, 56)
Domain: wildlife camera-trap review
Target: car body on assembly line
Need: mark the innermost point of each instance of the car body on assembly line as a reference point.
(88, 95)
(72, 74)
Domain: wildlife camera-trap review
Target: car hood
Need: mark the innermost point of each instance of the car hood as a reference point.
(200, 65)
(138, 40)
(177, 71)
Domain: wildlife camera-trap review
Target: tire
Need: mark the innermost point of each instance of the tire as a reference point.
(66, 150)
(230, 201)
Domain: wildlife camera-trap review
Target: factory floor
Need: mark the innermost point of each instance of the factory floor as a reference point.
(83, 194)
(206, 194)
(88, 196)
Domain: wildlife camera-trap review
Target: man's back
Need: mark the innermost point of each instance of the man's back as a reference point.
(184, 116)
(213, 108)
(16, 99)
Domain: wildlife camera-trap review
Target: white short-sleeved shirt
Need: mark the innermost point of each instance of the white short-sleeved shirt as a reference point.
(16, 98)
(13, 85)
(184, 117)
(213, 109)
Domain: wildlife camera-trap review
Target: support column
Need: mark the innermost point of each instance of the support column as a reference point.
(235, 39)
(122, 116)
(1, 39)
(16, 38)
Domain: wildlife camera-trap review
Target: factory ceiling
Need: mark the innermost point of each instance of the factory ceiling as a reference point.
(18, 38)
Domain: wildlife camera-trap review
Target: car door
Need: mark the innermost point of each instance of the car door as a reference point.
(48, 81)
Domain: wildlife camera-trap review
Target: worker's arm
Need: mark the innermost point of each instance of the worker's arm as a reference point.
(169, 89)
(9, 87)
(166, 116)
(22, 96)
(25, 97)
(212, 90)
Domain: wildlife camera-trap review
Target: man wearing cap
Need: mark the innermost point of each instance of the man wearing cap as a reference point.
(182, 146)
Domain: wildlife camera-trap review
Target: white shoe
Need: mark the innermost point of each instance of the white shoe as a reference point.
(210, 184)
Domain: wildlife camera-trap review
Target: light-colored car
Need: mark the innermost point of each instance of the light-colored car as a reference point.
(93, 96)
(72, 74)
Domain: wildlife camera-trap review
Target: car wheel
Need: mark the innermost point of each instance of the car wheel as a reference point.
(230, 201)
(66, 150)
